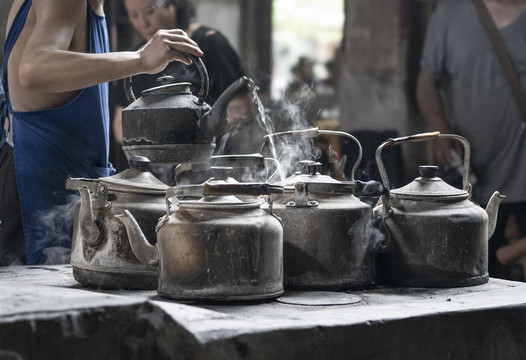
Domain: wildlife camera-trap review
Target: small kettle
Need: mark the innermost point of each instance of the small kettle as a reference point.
(168, 124)
(101, 254)
(435, 236)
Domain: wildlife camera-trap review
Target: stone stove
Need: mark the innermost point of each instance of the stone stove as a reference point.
(46, 314)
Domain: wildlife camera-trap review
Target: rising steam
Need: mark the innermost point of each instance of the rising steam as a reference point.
(55, 229)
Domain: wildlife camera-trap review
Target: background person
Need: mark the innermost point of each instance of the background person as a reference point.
(458, 57)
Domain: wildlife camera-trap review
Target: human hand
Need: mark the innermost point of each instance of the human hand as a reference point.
(510, 253)
(166, 46)
(443, 147)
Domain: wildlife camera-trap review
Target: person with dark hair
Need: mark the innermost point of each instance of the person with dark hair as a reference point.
(220, 58)
(54, 120)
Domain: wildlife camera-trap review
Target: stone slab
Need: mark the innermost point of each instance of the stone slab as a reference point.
(46, 314)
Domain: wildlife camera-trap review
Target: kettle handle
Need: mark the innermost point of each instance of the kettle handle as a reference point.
(203, 75)
(424, 137)
(315, 132)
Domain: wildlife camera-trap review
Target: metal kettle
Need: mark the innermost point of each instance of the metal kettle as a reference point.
(218, 245)
(101, 254)
(435, 236)
(327, 228)
(168, 124)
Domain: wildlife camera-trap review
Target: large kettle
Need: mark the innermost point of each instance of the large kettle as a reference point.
(327, 229)
(101, 254)
(435, 236)
(168, 124)
(215, 246)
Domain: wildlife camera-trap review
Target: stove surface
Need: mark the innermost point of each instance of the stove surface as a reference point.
(39, 303)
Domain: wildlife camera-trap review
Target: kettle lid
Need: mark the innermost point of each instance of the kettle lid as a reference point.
(178, 88)
(310, 176)
(429, 186)
(136, 179)
(209, 195)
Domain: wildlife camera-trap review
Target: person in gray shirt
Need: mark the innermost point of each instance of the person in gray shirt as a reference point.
(477, 103)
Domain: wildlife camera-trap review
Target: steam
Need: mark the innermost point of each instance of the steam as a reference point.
(287, 114)
(295, 111)
(372, 230)
(55, 227)
(292, 113)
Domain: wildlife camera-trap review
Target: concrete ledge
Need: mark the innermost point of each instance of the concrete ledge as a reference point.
(46, 314)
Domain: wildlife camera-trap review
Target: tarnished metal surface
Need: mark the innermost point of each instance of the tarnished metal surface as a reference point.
(110, 262)
(326, 246)
(101, 254)
(214, 248)
(435, 235)
(430, 244)
(171, 153)
(168, 124)
(221, 255)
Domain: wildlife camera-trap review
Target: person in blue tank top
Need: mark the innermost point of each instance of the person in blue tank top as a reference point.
(54, 119)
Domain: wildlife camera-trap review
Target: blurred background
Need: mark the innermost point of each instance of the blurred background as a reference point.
(361, 57)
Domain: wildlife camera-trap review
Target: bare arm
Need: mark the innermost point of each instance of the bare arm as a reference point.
(53, 60)
(512, 252)
(431, 107)
(117, 124)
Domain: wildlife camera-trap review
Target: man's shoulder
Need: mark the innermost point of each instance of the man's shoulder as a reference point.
(60, 7)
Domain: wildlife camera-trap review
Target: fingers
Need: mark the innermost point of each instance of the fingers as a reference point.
(179, 48)
(178, 34)
(178, 44)
(166, 46)
(177, 39)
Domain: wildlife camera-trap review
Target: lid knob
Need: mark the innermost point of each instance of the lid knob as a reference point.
(428, 171)
(166, 79)
(310, 166)
(221, 172)
(313, 167)
(140, 163)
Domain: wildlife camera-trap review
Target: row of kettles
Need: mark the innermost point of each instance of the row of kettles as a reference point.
(215, 239)
(218, 240)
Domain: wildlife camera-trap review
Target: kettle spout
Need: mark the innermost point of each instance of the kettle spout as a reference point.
(146, 253)
(492, 210)
(216, 122)
(88, 228)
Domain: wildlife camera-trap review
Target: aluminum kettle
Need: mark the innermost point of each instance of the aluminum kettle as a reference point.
(101, 254)
(435, 236)
(217, 246)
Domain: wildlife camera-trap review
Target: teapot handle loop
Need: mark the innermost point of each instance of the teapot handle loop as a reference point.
(315, 132)
(417, 138)
(360, 151)
(203, 75)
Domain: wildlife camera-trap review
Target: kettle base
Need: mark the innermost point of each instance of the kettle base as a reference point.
(116, 279)
(434, 283)
(221, 297)
(172, 153)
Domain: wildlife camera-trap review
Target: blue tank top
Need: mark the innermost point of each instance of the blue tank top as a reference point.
(51, 144)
